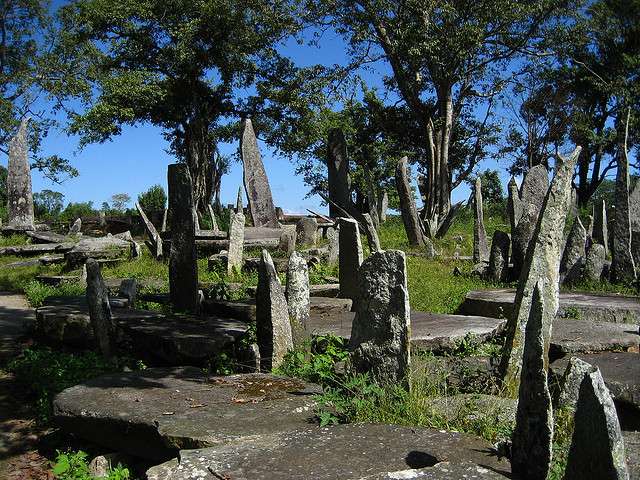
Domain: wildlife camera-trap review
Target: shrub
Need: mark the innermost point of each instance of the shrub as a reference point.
(75, 466)
(153, 200)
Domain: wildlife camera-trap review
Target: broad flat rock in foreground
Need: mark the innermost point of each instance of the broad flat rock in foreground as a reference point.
(620, 372)
(156, 412)
(429, 331)
(597, 308)
(571, 336)
(346, 452)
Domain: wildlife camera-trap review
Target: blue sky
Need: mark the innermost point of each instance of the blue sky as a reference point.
(137, 159)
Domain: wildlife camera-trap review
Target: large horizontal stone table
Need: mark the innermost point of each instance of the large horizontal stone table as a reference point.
(156, 412)
(573, 336)
(345, 452)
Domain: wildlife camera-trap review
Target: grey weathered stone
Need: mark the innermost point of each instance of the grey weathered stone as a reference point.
(571, 380)
(273, 328)
(183, 260)
(542, 264)
(338, 173)
(407, 204)
(635, 247)
(76, 227)
(212, 216)
(101, 248)
(600, 225)
(165, 216)
(574, 254)
(350, 257)
(19, 193)
(236, 243)
(383, 206)
(498, 270)
(102, 218)
(535, 186)
(514, 204)
(594, 263)
(129, 290)
(239, 203)
(521, 237)
(297, 293)
(287, 242)
(480, 246)
(380, 333)
(597, 446)
(623, 268)
(533, 434)
(100, 310)
(152, 233)
(333, 239)
(306, 231)
(256, 183)
(372, 234)
(429, 248)
(634, 206)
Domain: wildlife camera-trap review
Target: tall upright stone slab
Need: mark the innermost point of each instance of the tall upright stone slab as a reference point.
(571, 382)
(306, 231)
(273, 328)
(623, 268)
(236, 243)
(333, 247)
(256, 183)
(533, 434)
(19, 193)
(480, 246)
(574, 254)
(239, 203)
(594, 263)
(634, 207)
(183, 261)
(597, 446)
(100, 309)
(297, 293)
(372, 234)
(542, 264)
(380, 332)
(383, 206)
(214, 223)
(408, 205)
(338, 173)
(535, 186)
(514, 204)
(600, 225)
(155, 240)
(350, 257)
(498, 270)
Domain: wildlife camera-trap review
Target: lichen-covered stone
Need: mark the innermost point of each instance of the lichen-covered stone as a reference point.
(19, 193)
(100, 309)
(623, 268)
(594, 264)
(297, 293)
(306, 231)
(480, 246)
(372, 234)
(350, 257)
(574, 253)
(236, 243)
(380, 333)
(498, 270)
(571, 380)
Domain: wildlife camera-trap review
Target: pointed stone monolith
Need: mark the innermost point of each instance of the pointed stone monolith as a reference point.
(383, 206)
(338, 173)
(574, 254)
(600, 225)
(408, 204)
(623, 268)
(256, 182)
(597, 445)
(533, 434)
(100, 309)
(155, 240)
(235, 248)
(571, 380)
(535, 186)
(19, 193)
(350, 257)
(183, 260)
(297, 293)
(498, 270)
(273, 328)
(76, 227)
(306, 231)
(514, 204)
(372, 234)
(542, 264)
(333, 247)
(212, 216)
(380, 332)
(594, 263)
(239, 203)
(480, 246)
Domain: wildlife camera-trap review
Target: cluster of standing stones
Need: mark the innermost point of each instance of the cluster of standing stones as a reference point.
(256, 425)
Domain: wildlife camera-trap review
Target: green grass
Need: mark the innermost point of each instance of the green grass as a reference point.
(13, 239)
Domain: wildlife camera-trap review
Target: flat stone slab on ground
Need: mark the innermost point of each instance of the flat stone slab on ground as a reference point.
(597, 308)
(36, 249)
(156, 412)
(632, 452)
(429, 331)
(620, 371)
(572, 336)
(346, 452)
(331, 290)
(15, 319)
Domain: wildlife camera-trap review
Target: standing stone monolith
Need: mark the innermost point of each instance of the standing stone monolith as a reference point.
(408, 205)
(535, 186)
(76, 227)
(235, 249)
(380, 332)
(102, 218)
(571, 381)
(480, 246)
(287, 242)
(635, 247)
(597, 445)
(214, 223)
(600, 225)
(383, 206)
(372, 234)
(350, 257)
(256, 183)
(100, 309)
(338, 173)
(498, 270)
(594, 263)
(542, 264)
(623, 268)
(297, 294)
(306, 231)
(273, 328)
(183, 260)
(154, 237)
(514, 204)
(333, 247)
(239, 203)
(19, 193)
(634, 207)
(574, 254)
(532, 437)
(165, 216)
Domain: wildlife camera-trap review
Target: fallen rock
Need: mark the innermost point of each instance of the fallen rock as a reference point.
(156, 412)
(572, 336)
(104, 248)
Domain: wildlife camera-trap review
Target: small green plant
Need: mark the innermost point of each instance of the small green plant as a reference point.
(317, 366)
(37, 292)
(75, 466)
(572, 312)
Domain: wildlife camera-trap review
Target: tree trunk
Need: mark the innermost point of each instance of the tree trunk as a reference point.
(198, 159)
